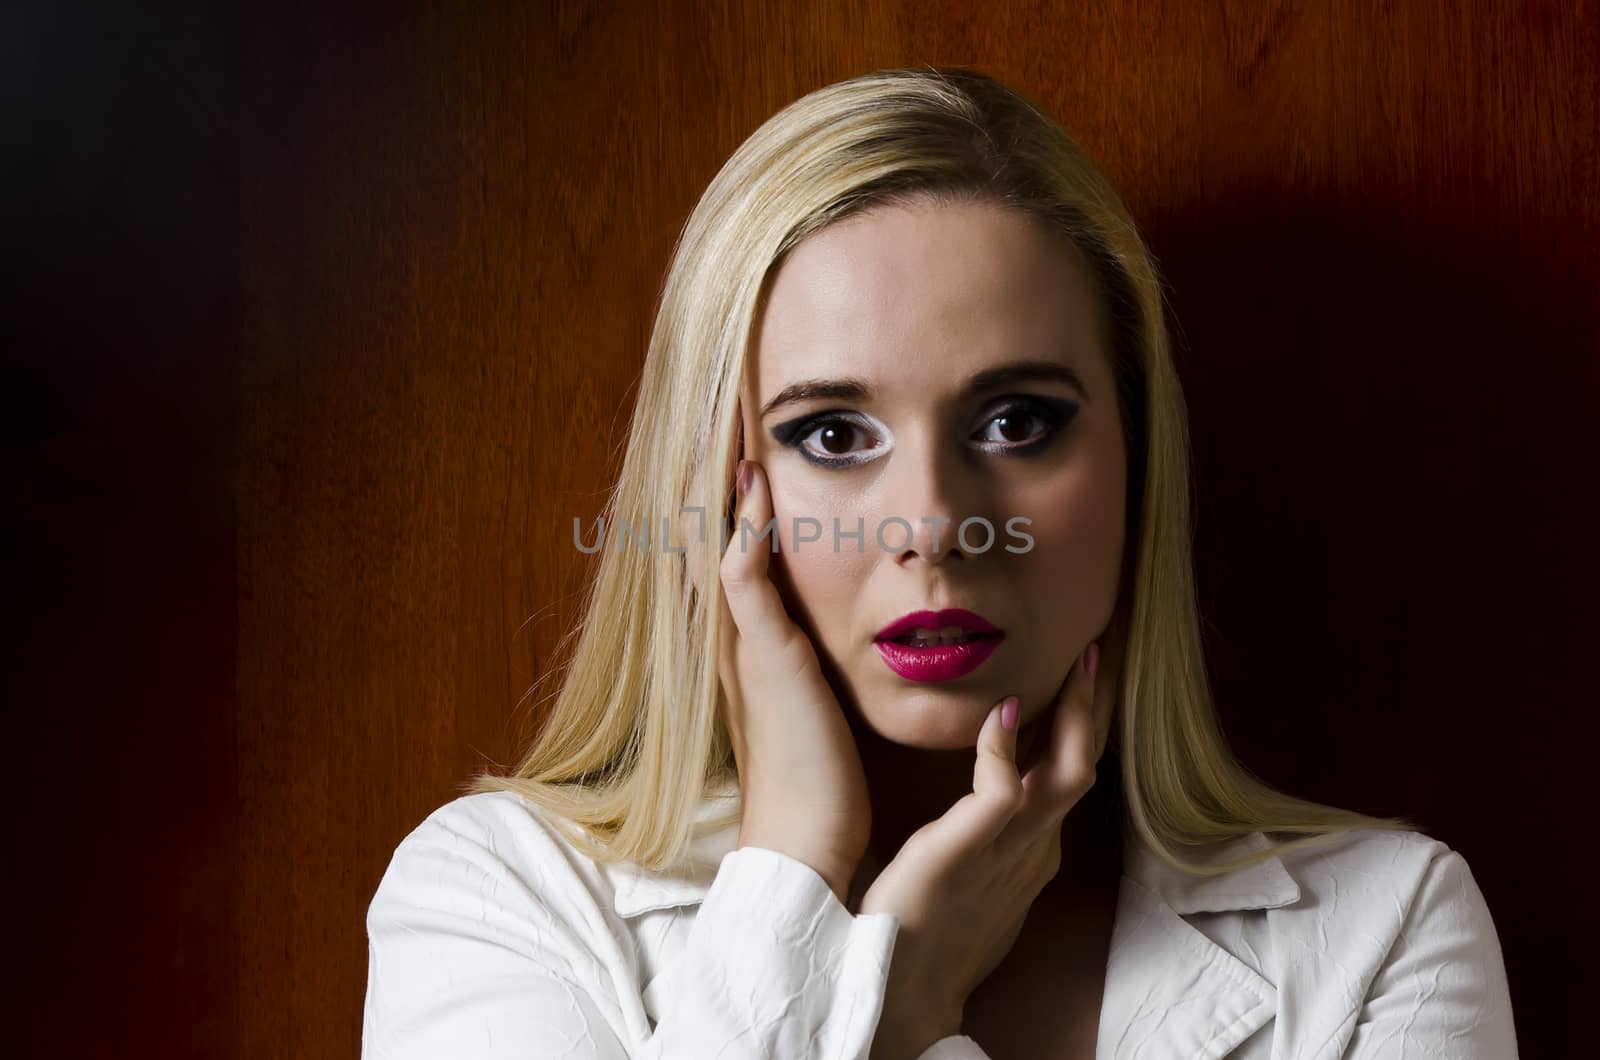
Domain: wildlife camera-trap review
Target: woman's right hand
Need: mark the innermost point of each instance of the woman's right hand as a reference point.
(800, 774)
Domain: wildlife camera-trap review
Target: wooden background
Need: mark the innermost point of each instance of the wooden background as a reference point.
(321, 325)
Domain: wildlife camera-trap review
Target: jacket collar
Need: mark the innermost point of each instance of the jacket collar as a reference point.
(1170, 990)
(638, 891)
(1265, 885)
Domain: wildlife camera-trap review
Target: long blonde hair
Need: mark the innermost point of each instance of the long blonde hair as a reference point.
(635, 738)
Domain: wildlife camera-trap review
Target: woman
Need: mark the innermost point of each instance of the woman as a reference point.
(855, 801)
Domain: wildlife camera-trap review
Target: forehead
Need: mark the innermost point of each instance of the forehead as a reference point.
(941, 286)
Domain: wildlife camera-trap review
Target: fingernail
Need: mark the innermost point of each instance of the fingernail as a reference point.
(1008, 713)
(1092, 658)
(743, 477)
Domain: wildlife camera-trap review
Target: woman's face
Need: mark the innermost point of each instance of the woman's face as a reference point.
(911, 305)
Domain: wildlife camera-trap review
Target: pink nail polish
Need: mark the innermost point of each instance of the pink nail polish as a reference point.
(1008, 713)
(1092, 658)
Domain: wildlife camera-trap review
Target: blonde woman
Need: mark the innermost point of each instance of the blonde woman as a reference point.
(914, 756)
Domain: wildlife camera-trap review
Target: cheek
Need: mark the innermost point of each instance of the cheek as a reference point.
(1077, 527)
(820, 582)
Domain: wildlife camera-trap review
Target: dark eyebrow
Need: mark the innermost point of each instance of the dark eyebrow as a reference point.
(989, 379)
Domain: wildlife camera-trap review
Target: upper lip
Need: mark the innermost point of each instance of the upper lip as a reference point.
(950, 616)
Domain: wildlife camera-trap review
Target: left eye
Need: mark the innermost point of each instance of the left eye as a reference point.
(1024, 428)
(1015, 426)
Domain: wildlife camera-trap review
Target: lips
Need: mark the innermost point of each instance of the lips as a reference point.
(968, 621)
(944, 662)
(938, 659)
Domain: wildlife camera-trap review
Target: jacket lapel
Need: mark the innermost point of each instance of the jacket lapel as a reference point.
(1170, 990)
(636, 891)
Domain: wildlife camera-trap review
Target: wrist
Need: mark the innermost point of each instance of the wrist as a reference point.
(906, 1038)
(837, 873)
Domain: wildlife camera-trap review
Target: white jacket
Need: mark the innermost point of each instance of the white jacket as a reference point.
(491, 936)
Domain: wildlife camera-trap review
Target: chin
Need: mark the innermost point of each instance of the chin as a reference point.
(929, 721)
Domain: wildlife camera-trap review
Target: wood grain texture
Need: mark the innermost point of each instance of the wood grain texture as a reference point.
(382, 292)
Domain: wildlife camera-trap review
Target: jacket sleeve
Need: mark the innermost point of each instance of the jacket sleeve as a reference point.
(955, 1047)
(470, 958)
(1442, 988)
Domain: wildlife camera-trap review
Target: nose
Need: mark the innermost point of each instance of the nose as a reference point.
(933, 488)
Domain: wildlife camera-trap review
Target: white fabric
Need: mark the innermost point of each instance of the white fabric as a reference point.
(491, 936)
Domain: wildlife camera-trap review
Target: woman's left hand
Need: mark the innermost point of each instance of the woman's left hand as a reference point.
(961, 886)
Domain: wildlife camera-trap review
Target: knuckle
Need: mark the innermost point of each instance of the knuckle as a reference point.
(1040, 857)
(735, 563)
(736, 584)
(796, 657)
(1081, 778)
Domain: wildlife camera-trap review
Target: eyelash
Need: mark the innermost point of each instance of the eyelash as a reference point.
(1054, 414)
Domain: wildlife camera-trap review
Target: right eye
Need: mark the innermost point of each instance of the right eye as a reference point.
(827, 441)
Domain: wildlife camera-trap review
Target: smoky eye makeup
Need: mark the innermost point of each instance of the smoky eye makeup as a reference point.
(835, 423)
(1050, 415)
(1046, 416)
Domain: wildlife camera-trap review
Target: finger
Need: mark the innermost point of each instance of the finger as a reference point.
(752, 599)
(712, 524)
(727, 654)
(701, 532)
(996, 787)
(1066, 772)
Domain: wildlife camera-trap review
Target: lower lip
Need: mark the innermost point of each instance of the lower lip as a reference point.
(943, 662)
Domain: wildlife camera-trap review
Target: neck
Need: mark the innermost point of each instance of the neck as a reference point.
(910, 787)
